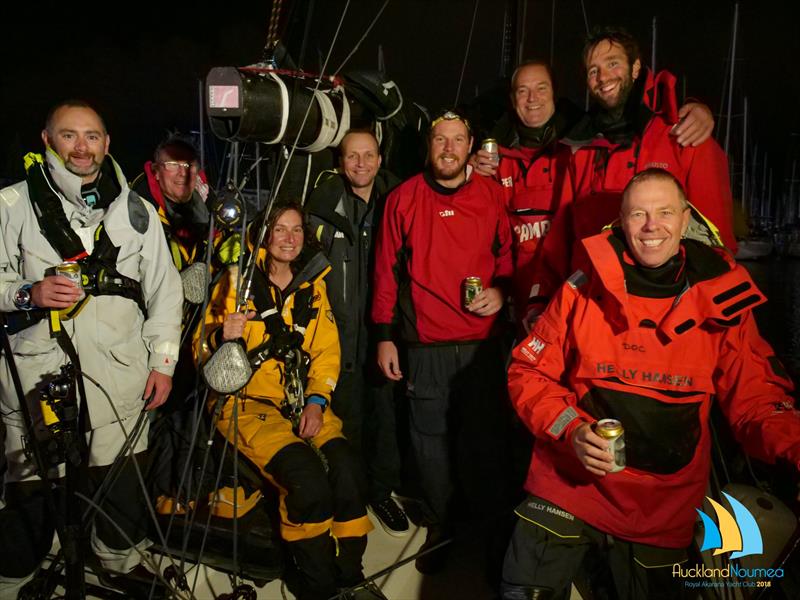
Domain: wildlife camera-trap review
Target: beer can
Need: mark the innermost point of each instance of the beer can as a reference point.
(612, 431)
(72, 271)
(472, 286)
(490, 146)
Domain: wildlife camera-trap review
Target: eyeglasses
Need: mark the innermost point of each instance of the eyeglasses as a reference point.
(450, 116)
(174, 165)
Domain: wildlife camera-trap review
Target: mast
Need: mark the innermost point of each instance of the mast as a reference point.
(764, 199)
(653, 49)
(521, 28)
(552, 30)
(744, 159)
(791, 189)
(730, 81)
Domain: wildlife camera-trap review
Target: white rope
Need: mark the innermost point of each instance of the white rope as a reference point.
(344, 122)
(389, 85)
(329, 125)
(284, 109)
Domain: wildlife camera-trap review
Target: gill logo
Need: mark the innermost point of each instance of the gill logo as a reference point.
(739, 535)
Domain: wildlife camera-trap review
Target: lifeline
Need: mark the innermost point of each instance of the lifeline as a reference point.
(735, 570)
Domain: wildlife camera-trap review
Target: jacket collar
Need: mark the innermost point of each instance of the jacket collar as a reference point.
(719, 291)
(69, 184)
(652, 95)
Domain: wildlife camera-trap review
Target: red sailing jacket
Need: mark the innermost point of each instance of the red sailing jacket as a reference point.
(655, 365)
(535, 185)
(430, 239)
(600, 171)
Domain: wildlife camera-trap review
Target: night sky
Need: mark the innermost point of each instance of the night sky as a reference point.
(142, 70)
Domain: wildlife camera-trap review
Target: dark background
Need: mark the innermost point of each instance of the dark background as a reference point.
(141, 64)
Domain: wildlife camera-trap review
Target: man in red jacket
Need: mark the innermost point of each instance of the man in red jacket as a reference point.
(628, 129)
(533, 169)
(440, 227)
(649, 332)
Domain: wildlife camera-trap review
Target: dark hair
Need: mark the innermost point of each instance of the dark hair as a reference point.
(657, 175)
(70, 103)
(359, 130)
(618, 35)
(310, 244)
(179, 143)
(535, 62)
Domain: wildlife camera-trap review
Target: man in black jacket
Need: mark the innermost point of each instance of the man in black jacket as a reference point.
(345, 210)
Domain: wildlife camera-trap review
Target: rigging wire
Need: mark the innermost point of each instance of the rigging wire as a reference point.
(466, 53)
(363, 37)
(585, 18)
(262, 232)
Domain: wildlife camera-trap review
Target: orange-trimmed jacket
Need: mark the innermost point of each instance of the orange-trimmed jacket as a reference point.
(655, 364)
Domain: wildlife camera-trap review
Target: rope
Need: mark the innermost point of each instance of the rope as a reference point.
(363, 37)
(272, 30)
(466, 54)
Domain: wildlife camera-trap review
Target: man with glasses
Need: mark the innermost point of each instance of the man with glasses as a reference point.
(174, 184)
(439, 228)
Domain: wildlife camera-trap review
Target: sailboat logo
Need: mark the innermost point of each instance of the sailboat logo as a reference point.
(740, 535)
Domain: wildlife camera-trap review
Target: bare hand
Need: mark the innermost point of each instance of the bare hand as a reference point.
(233, 325)
(388, 361)
(55, 291)
(592, 450)
(484, 163)
(487, 303)
(157, 389)
(310, 421)
(695, 125)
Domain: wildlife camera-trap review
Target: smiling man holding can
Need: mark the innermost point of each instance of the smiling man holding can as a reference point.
(444, 235)
(648, 332)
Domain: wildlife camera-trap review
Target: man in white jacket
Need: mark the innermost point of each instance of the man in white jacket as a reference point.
(75, 205)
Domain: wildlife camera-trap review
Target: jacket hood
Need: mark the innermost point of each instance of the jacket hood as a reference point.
(718, 291)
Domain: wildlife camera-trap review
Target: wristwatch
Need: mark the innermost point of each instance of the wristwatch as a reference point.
(22, 298)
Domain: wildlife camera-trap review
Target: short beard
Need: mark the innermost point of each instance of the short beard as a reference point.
(624, 93)
(458, 172)
(92, 169)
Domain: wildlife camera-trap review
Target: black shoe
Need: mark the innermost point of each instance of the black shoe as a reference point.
(391, 517)
(432, 561)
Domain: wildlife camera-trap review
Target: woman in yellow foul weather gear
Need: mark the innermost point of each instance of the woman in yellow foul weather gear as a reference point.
(294, 438)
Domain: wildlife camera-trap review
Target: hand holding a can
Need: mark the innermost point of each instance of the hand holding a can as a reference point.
(592, 450)
(486, 302)
(485, 163)
(55, 291)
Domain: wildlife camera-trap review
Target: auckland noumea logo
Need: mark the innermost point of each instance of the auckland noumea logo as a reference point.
(738, 533)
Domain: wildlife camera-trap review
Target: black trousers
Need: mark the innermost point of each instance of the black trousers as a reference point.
(544, 557)
(27, 523)
(460, 428)
(313, 496)
(366, 404)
